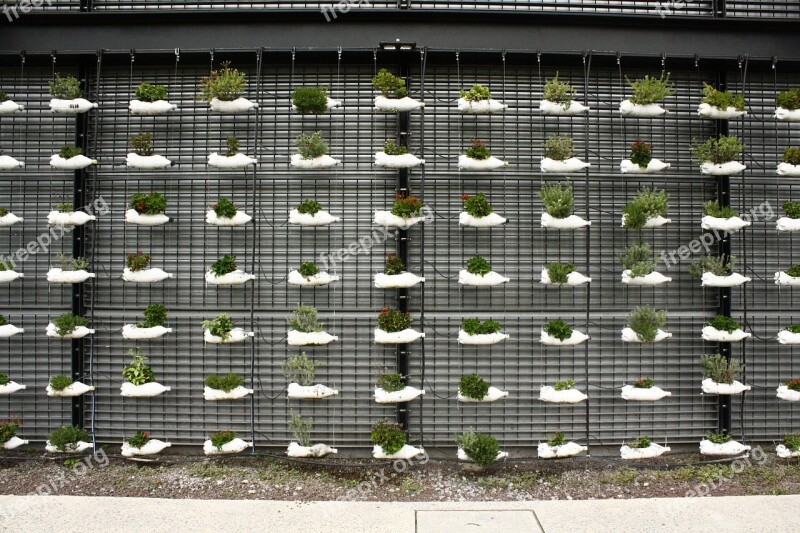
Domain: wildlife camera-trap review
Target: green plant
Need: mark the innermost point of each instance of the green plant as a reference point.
(641, 442)
(138, 373)
(224, 383)
(724, 323)
(793, 384)
(645, 322)
(309, 207)
(794, 271)
(390, 437)
(154, 315)
(792, 209)
(138, 261)
(220, 326)
(4, 379)
(718, 151)
(3, 211)
(478, 266)
(300, 369)
(794, 328)
(394, 265)
(66, 88)
(638, 259)
(391, 382)
(71, 263)
(649, 90)
(473, 386)
(224, 84)
(67, 323)
(142, 144)
(559, 273)
(310, 100)
(477, 205)
(564, 385)
(311, 146)
(649, 203)
(791, 156)
(558, 92)
(149, 204)
(390, 148)
(713, 209)
(66, 438)
(6, 265)
(473, 326)
(476, 94)
(301, 429)
(150, 93)
(393, 320)
(304, 319)
(224, 265)
(720, 265)
(68, 152)
(558, 147)
(558, 440)
(3, 97)
(308, 269)
(8, 428)
(644, 383)
(224, 208)
(64, 207)
(789, 100)
(719, 369)
(479, 447)
(641, 154)
(387, 83)
(792, 442)
(719, 438)
(558, 329)
(722, 99)
(60, 382)
(478, 150)
(139, 439)
(221, 438)
(557, 199)
(406, 206)
(231, 146)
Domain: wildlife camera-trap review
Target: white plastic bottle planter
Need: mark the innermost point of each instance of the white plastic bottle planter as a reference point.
(132, 331)
(78, 333)
(9, 163)
(480, 165)
(628, 108)
(785, 224)
(147, 162)
(134, 217)
(568, 449)
(628, 335)
(722, 169)
(151, 447)
(711, 111)
(14, 442)
(462, 456)
(787, 115)
(240, 105)
(782, 451)
(147, 275)
(492, 395)
(655, 165)
(383, 103)
(9, 219)
(481, 338)
(11, 387)
(712, 334)
(574, 339)
(710, 386)
(570, 222)
(782, 278)
(710, 279)
(552, 108)
(230, 161)
(552, 166)
(71, 218)
(490, 279)
(403, 280)
(159, 107)
(320, 218)
(239, 219)
(785, 393)
(382, 159)
(406, 452)
(550, 394)
(235, 394)
(481, 107)
(638, 394)
(787, 169)
(329, 104)
(573, 279)
(389, 220)
(321, 162)
(237, 445)
(406, 394)
(9, 330)
(652, 222)
(654, 450)
(317, 280)
(7, 276)
(653, 278)
(235, 335)
(74, 389)
(57, 275)
(309, 392)
(492, 219)
(9, 106)
(398, 337)
(237, 277)
(730, 225)
(71, 107)
(726, 449)
(75, 162)
(317, 450)
(313, 338)
(148, 390)
(787, 337)
(76, 447)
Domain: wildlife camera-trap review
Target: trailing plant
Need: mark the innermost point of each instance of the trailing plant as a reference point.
(304, 319)
(139, 439)
(719, 265)
(138, 373)
(649, 90)
(558, 329)
(67, 323)
(645, 322)
(231, 146)
(4, 379)
(8, 429)
(224, 208)
(390, 148)
(66, 88)
(142, 144)
(301, 429)
(221, 438)
(154, 315)
(793, 384)
(393, 320)
(477, 206)
(406, 206)
(391, 382)
(719, 438)
(473, 386)
(309, 207)
(68, 152)
(394, 265)
(722, 99)
(649, 203)
(387, 84)
(713, 209)
(792, 442)
(638, 259)
(641, 153)
(479, 447)
(225, 84)
(138, 261)
(794, 271)
(724, 323)
(478, 266)
(60, 382)
(644, 383)
(300, 369)
(67, 437)
(558, 147)
(150, 93)
(390, 437)
(308, 269)
(149, 204)
(476, 94)
(557, 199)
(641, 442)
(310, 100)
(558, 440)
(224, 383)
(473, 326)
(220, 326)
(719, 369)
(564, 385)
(558, 92)
(792, 209)
(224, 265)
(478, 150)
(789, 100)
(311, 146)
(721, 150)
(791, 156)
(559, 273)
(65, 207)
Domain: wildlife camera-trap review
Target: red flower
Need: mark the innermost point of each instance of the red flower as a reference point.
(465, 196)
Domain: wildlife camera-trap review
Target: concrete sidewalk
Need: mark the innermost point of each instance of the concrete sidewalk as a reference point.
(64, 514)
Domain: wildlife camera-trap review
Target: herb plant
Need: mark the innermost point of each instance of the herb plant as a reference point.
(558, 148)
(722, 99)
(388, 84)
(793, 384)
(644, 383)
(649, 90)
(139, 439)
(476, 94)
(713, 209)
(60, 382)
(478, 266)
(300, 369)
(564, 385)
(66, 438)
(394, 265)
(309, 207)
(724, 149)
(225, 84)
(719, 369)
(304, 319)
(789, 100)
(477, 205)
(641, 442)
(649, 203)
(68, 152)
(794, 328)
(719, 438)
(558, 329)
(138, 373)
(391, 382)
(473, 326)
(154, 315)
(142, 144)
(71, 263)
(638, 259)
(478, 150)
(794, 271)
(473, 386)
(557, 199)
(4, 379)
(557, 92)
(138, 261)
(231, 146)
(224, 265)
(393, 320)
(224, 208)
(719, 265)
(150, 93)
(479, 447)
(791, 156)
(308, 269)
(390, 148)
(310, 100)
(149, 204)
(220, 326)
(301, 429)
(645, 322)
(724, 323)
(559, 273)
(224, 383)
(221, 438)
(558, 440)
(65, 207)
(66, 88)
(641, 154)
(67, 323)
(311, 146)
(390, 437)
(8, 429)
(792, 442)
(406, 206)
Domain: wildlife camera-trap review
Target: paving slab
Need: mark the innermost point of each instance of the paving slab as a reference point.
(485, 521)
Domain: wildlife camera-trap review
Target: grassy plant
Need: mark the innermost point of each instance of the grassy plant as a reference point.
(221, 326)
(304, 319)
(66, 438)
(150, 93)
(8, 429)
(225, 84)
(557, 92)
(138, 261)
(406, 206)
(558, 440)
(791, 156)
(66, 88)
(224, 265)
(559, 148)
(721, 150)
(392, 320)
(68, 152)
(310, 100)
(224, 383)
(139, 439)
(391, 148)
(65, 207)
(559, 272)
(301, 429)
(641, 442)
(649, 90)
(722, 99)
(300, 369)
(644, 383)
(149, 204)
(308, 269)
(719, 369)
(478, 151)
(479, 447)
(388, 84)
(792, 442)
(645, 322)
(641, 154)
(478, 266)
(231, 146)
(311, 146)
(142, 144)
(638, 259)
(477, 93)
(557, 198)
(473, 386)
(719, 265)
(558, 329)
(60, 382)
(649, 203)
(789, 100)
(391, 382)
(224, 208)
(564, 385)
(719, 437)
(394, 265)
(154, 315)
(713, 209)
(221, 438)
(724, 323)
(473, 326)
(137, 372)
(67, 323)
(390, 437)
(309, 207)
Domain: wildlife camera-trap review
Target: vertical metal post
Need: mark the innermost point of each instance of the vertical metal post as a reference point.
(403, 187)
